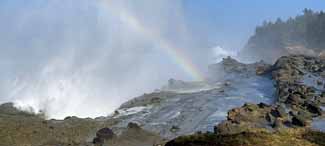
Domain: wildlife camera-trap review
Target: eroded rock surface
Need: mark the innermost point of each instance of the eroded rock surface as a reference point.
(185, 109)
(300, 94)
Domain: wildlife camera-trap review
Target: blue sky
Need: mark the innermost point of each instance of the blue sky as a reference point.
(229, 23)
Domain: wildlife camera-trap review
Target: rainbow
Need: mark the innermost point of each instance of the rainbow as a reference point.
(174, 52)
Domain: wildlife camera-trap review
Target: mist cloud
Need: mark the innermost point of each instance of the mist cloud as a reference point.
(80, 58)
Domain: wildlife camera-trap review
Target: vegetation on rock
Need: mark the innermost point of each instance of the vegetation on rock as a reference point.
(254, 137)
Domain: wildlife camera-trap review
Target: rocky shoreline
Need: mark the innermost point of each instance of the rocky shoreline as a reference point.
(300, 98)
(298, 103)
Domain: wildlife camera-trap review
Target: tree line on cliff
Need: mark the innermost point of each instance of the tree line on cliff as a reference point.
(302, 33)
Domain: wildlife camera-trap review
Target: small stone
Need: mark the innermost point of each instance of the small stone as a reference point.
(227, 83)
(319, 82)
(270, 118)
(174, 129)
(263, 105)
(279, 112)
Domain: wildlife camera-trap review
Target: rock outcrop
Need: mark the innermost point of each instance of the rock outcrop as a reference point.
(297, 102)
(254, 137)
(300, 98)
(19, 128)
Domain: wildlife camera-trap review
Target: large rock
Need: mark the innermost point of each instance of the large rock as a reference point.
(299, 120)
(246, 117)
(102, 136)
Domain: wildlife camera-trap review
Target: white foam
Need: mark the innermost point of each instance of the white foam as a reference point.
(220, 53)
(131, 111)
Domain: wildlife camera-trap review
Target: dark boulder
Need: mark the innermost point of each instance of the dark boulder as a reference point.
(133, 125)
(298, 121)
(105, 133)
(279, 112)
(98, 142)
(313, 108)
(294, 99)
(270, 118)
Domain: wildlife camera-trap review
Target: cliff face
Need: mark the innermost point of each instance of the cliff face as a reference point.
(266, 105)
